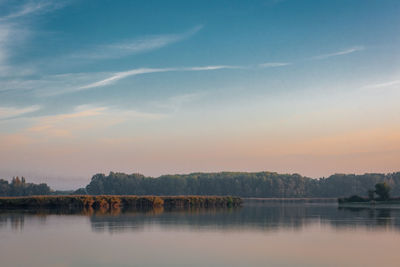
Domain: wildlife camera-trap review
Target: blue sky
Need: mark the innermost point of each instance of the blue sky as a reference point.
(178, 86)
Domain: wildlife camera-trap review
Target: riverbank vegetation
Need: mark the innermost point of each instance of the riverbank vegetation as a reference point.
(260, 184)
(19, 187)
(115, 202)
(243, 184)
(381, 194)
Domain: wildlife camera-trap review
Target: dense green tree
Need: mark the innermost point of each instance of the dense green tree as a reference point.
(19, 187)
(371, 194)
(382, 190)
(260, 184)
(80, 191)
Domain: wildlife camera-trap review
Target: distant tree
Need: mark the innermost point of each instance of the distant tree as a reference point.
(260, 184)
(19, 187)
(4, 187)
(382, 190)
(80, 191)
(371, 194)
(16, 181)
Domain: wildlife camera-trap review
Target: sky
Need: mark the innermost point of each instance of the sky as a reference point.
(165, 87)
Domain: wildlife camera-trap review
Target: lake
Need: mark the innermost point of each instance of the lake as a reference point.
(257, 234)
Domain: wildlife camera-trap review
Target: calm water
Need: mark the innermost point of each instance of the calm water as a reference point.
(255, 235)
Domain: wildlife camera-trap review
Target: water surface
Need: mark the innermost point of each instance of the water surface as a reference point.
(268, 234)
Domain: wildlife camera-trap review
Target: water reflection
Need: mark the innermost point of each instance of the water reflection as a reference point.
(369, 217)
(264, 217)
(16, 220)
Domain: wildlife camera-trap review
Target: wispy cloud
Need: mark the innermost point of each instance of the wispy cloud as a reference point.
(121, 75)
(52, 85)
(175, 103)
(274, 64)
(85, 118)
(135, 46)
(341, 53)
(382, 85)
(217, 67)
(14, 29)
(4, 32)
(32, 7)
(11, 34)
(47, 85)
(11, 112)
(59, 125)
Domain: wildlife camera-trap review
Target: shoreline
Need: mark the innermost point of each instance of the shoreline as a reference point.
(291, 199)
(369, 204)
(117, 201)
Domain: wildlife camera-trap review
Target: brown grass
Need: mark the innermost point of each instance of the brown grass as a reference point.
(107, 202)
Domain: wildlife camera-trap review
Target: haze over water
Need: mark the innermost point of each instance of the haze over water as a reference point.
(271, 234)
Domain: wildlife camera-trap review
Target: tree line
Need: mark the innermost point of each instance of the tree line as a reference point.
(243, 184)
(259, 184)
(19, 187)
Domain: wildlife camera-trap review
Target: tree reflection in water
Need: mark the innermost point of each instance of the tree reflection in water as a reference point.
(260, 217)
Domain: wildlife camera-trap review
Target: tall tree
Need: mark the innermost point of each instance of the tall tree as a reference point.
(382, 190)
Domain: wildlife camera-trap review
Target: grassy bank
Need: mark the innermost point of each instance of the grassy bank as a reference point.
(112, 201)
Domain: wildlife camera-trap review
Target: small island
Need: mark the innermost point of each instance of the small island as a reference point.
(381, 195)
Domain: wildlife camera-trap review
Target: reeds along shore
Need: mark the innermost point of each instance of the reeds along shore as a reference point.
(113, 201)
